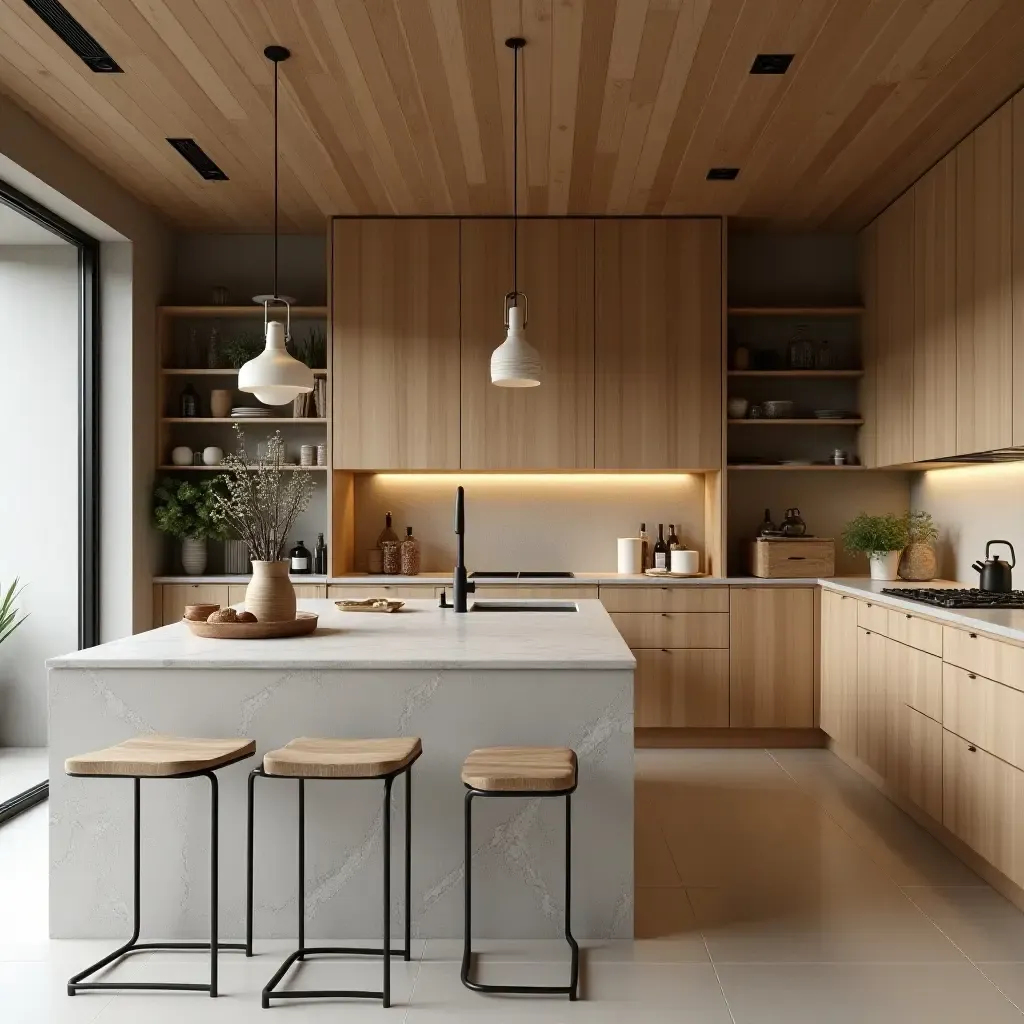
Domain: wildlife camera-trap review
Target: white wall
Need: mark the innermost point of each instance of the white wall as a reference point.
(972, 505)
(39, 468)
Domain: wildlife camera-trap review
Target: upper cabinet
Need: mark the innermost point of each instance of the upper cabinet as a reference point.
(395, 328)
(658, 297)
(1017, 297)
(934, 369)
(984, 318)
(546, 427)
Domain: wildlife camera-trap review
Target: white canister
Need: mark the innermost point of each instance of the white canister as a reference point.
(687, 562)
(629, 556)
(213, 456)
(181, 456)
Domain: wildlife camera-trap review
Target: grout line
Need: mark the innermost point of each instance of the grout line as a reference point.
(714, 966)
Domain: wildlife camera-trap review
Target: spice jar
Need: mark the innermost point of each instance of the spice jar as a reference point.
(410, 554)
(391, 557)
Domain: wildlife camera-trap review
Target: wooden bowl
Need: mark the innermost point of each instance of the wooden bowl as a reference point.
(301, 625)
(200, 612)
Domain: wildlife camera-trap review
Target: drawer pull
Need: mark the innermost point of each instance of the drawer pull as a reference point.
(972, 748)
(973, 636)
(910, 616)
(664, 650)
(797, 558)
(664, 615)
(971, 675)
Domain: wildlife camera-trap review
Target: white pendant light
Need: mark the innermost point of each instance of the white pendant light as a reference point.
(274, 376)
(515, 363)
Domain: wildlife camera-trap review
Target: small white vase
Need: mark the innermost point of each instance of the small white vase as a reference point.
(270, 595)
(193, 555)
(884, 564)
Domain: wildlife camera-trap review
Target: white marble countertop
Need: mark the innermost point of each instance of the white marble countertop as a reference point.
(1006, 623)
(238, 580)
(422, 635)
(580, 579)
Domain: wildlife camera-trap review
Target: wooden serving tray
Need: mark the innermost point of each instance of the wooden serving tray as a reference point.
(370, 604)
(303, 624)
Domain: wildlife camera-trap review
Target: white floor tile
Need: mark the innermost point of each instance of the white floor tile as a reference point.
(980, 921)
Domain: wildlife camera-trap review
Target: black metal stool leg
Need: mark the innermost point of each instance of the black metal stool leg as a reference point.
(387, 894)
(214, 880)
(574, 970)
(248, 862)
(408, 864)
(467, 888)
(302, 867)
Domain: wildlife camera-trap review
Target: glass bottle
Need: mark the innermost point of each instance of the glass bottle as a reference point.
(767, 526)
(189, 402)
(410, 554)
(673, 540)
(391, 557)
(320, 556)
(387, 533)
(300, 561)
(660, 549)
(645, 548)
(213, 350)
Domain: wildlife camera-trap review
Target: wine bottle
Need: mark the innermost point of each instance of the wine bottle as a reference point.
(387, 533)
(300, 560)
(320, 556)
(661, 555)
(767, 526)
(673, 540)
(645, 548)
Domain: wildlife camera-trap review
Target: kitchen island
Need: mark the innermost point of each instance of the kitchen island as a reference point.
(458, 681)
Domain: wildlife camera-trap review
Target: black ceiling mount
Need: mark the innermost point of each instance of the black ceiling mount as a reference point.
(277, 53)
(722, 173)
(77, 38)
(194, 154)
(515, 42)
(771, 63)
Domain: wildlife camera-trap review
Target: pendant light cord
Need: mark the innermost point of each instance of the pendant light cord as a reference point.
(276, 149)
(515, 173)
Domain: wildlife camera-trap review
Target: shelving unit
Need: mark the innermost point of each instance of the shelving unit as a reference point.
(240, 312)
(799, 374)
(270, 420)
(805, 421)
(769, 467)
(177, 371)
(220, 469)
(796, 311)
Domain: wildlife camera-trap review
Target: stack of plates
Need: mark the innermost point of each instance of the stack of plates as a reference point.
(250, 411)
(830, 414)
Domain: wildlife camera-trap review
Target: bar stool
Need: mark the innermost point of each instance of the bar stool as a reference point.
(521, 772)
(161, 757)
(305, 758)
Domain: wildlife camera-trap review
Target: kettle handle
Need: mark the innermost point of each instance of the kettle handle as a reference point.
(1013, 554)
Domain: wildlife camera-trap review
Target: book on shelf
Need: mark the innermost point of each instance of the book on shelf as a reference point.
(311, 403)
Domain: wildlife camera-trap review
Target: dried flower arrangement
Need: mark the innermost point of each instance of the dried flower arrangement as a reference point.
(263, 500)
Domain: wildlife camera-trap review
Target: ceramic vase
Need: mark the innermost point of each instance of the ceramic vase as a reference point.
(220, 403)
(884, 564)
(919, 562)
(193, 555)
(270, 595)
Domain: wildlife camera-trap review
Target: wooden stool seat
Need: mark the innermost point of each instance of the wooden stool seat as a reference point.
(310, 758)
(520, 769)
(152, 757)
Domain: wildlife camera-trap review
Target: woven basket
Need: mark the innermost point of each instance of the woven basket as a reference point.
(918, 563)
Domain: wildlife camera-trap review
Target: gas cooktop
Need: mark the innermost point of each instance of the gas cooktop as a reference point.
(952, 598)
(521, 575)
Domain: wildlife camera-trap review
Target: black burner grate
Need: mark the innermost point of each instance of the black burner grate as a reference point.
(955, 598)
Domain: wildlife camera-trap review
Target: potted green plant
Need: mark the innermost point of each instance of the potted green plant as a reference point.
(881, 538)
(919, 561)
(185, 510)
(9, 620)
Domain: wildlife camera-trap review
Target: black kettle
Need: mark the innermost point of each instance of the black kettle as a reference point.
(996, 575)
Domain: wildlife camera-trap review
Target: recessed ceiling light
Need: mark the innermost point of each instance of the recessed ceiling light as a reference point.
(771, 63)
(71, 32)
(194, 154)
(723, 173)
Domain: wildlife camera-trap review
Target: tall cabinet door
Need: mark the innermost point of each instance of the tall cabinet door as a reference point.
(551, 426)
(1017, 105)
(934, 371)
(659, 344)
(838, 712)
(395, 332)
(984, 244)
(894, 335)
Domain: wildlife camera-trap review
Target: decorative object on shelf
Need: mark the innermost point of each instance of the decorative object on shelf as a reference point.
(213, 351)
(779, 409)
(833, 414)
(793, 525)
(220, 403)
(197, 458)
(213, 456)
(374, 561)
(801, 350)
(188, 402)
(261, 504)
(797, 557)
(391, 557)
(320, 556)
(515, 363)
(741, 358)
(767, 526)
(881, 538)
(685, 562)
(9, 620)
(919, 561)
(630, 556)
(219, 295)
(321, 455)
(240, 349)
(312, 349)
(300, 624)
(737, 408)
(823, 359)
(188, 511)
(307, 455)
(300, 559)
(274, 376)
(410, 554)
(181, 456)
(839, 457)
(236, 557)
(756, 412)
(252, 412)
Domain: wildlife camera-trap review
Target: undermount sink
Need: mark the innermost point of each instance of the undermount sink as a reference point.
(523, 606)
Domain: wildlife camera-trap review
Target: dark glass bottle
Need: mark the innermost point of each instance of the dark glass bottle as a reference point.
(320, 556)
(300, 561)
(660, 549)
(645, 548)
(387, 533)
(673, 540)
(189, 402)
(767, 526)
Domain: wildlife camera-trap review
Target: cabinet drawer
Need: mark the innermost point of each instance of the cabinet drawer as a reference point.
(984, 712)
(990, 658)
(873, 616)
(915, 632)
(916, 770)
(681, 688)
(673, 629)
(919, 678)
(236, 593)
(983, 804)
(523, 593)
(666, 599)
(176, 596)
(362, 591)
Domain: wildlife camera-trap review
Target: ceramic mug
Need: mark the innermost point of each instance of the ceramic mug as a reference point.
(181, 456)
(213, 456)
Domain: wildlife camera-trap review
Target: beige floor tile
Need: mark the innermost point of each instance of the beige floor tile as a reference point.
(980, 921)
(652, 860)
(807, 924)
(861, 993)
(36, 993)
(1008, 978)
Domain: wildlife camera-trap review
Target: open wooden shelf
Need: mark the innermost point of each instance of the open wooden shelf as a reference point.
(179, 371)
(278, 420)
(809, 421)
(239, 311)
(221, 468)
(809, 374)
(796, 310)
(774, 466)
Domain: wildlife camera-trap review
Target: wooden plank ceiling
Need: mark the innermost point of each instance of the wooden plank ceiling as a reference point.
(404, 106)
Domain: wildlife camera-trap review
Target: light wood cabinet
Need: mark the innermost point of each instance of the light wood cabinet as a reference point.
(175, 596)
(838, 703)
(680, 688)
(665, 599)
(915, 678)
(551, 426)
(658, 293)
(914, 631)
(236, 591)
(934, 367)
(771, 657)
(985, 713)
(994, 659)
(874, 696)
(873, 616)
(915, 766)
(668, 629)
(1017, 298)
(894, 334)
(556, 593)
(358, 592)
(395, 337)
(867, 435)
(984, 251)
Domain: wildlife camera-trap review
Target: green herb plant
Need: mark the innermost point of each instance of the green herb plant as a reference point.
(182, 508)
(921, 528)
(870, 534)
